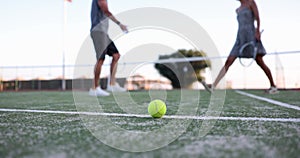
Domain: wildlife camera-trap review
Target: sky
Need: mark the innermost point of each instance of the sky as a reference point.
(32, 33)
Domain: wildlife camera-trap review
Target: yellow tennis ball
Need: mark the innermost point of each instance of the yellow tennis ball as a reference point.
(157, 108)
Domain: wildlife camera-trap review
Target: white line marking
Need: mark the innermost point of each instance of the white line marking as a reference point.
(269, 100)
(147, 116)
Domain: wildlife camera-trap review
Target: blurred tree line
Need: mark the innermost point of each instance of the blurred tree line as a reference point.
(184, 73)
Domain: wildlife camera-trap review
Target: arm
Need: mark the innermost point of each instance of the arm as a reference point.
(254, 9)
(104, 7)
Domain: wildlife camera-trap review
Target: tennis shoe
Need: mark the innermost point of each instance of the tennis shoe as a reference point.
(272, 90)
(115, 88)
(98, 92)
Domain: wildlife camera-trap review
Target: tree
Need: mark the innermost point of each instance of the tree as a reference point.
(182, 74)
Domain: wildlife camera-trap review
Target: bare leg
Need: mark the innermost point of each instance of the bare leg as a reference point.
(97, 71)
(113, 68)
(223, 71)
(265, 68)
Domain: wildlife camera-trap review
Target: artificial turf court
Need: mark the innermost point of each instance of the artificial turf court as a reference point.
(48, 124)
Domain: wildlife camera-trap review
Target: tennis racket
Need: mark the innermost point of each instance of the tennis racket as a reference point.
(248, 52)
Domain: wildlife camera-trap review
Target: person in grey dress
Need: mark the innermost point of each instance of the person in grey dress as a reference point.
(247, 14)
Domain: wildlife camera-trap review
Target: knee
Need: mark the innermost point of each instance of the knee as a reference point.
(116, 57)
(226, 67)
(99, 63)
(260, 61)
(227, 64)
(98, 66)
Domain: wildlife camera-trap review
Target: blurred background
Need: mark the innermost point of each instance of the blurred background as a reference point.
(40, 41)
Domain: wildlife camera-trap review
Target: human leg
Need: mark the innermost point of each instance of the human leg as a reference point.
(113, 68)
(265, 68)
(224, 70)
(97, 72)
(221, 74)
(259, 60)
(96, 89)
(100, 40)
(114, 53)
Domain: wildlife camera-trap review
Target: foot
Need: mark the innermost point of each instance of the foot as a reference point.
(98, 92)
(207, 87)
(272, 90)
(115, 88)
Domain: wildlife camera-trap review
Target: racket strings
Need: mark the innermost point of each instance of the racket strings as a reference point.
(247, 53)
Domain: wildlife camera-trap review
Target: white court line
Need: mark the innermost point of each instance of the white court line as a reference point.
(147, 116)
(269, 100)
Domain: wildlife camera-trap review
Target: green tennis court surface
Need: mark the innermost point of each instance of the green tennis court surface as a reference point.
(47, 124)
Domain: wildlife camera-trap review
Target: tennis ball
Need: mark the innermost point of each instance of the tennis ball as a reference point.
(157, 108)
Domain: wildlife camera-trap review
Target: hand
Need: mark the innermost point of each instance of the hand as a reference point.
(123, 28)
(257, 35)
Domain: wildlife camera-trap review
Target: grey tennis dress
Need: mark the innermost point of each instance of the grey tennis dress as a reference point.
(246, 33)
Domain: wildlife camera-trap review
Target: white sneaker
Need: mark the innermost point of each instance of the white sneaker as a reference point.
(98, 92)
(272, 90)
(115, 88)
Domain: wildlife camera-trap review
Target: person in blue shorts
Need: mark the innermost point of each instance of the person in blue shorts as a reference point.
(100, 16)
(247, 14)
